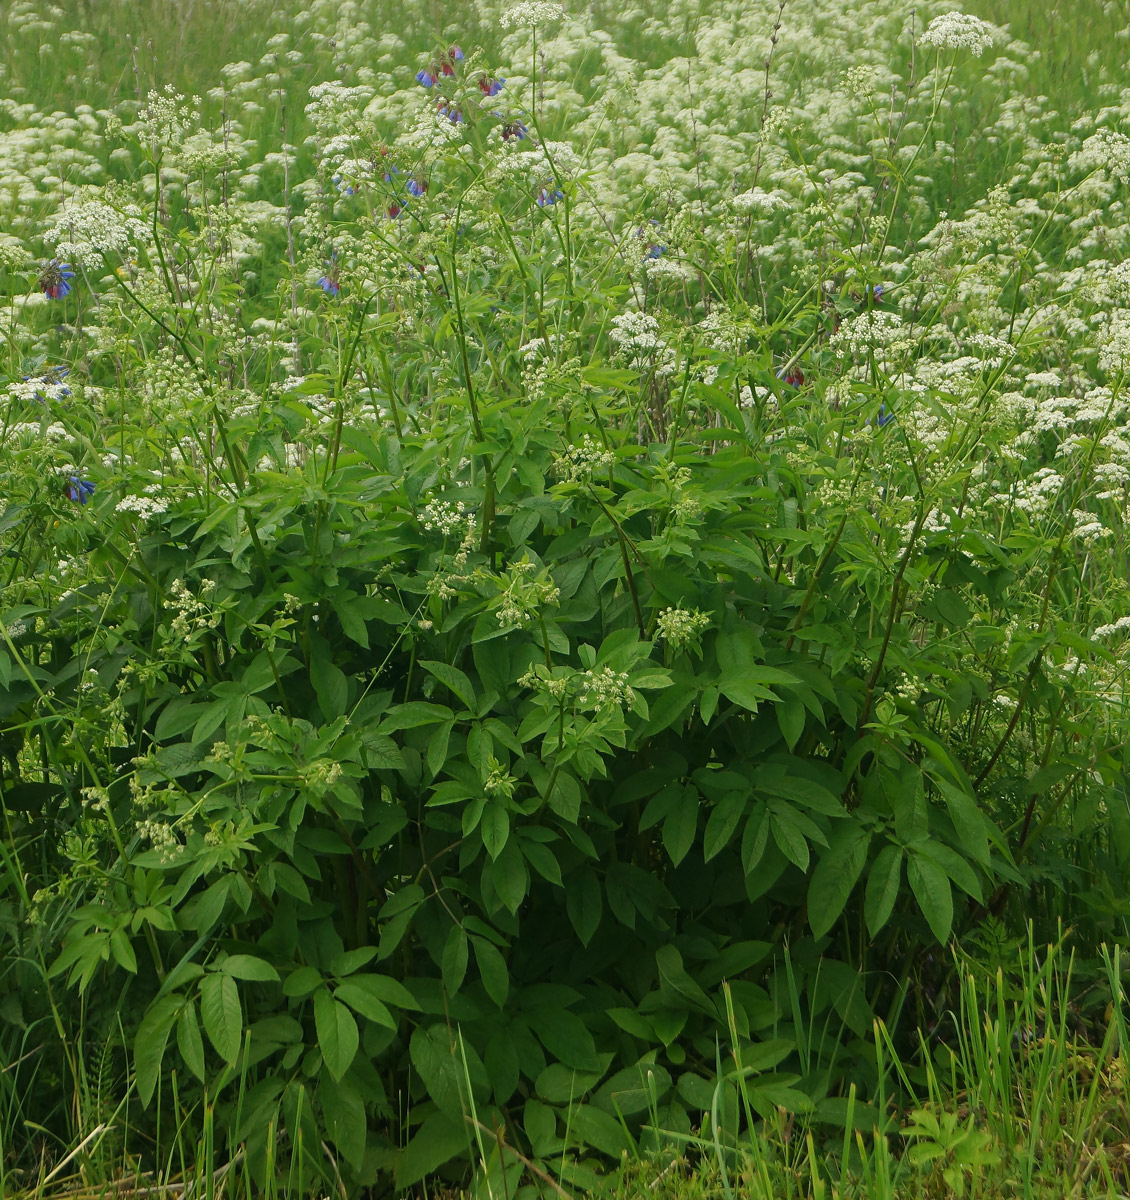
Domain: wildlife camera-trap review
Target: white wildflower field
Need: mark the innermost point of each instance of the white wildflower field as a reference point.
(565, 599)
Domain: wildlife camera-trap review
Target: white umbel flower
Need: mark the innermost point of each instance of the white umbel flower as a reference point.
(959, 31)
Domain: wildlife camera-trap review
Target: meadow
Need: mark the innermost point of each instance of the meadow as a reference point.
(565, 599)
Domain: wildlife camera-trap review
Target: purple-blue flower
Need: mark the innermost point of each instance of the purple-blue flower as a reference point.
(549, 196)
(55, 279)
(884, 417)
(514, 131)
(490, 86)
(343, 187)
(330, 282)
(79, 490)
(874, 293)
(417, 186)
(426, 77)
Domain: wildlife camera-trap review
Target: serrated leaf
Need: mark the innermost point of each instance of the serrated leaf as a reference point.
(680, 825)
(834, 877)
(453, 679)
(494, 825)
(453, 963)
(149, 1043)
(492, 969)
(362, 1001)
(250, 968)
(931, 888)
(222, 1015)
(583, 903)
(882, 888)
(189, 1042)
(720, 825)
(337, 1033)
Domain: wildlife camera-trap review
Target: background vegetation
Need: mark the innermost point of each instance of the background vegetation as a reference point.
(564, 607)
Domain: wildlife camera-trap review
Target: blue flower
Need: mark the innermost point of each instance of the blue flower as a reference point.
(79, 490)
(343, 187)
(417, 186)
(426, 77)
(549, 196)
(489, 86)
(514, 131)
(55, 279)
(791, 377)
(330, 282)
(884, 417)
(874, 293)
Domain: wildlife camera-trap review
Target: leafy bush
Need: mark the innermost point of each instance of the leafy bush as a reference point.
(468, 671)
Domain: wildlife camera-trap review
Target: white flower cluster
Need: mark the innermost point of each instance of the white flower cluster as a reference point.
(576, 464)
(1107, 150)
(1114, 347)
(873, 330)
(1122, 625)
(192, 613)
(523, 595)
(444, 517)
(530, 13)
(603, 687)
(637, 335)
(959, 31)
(144, 506)
(92, 228)
(680, 627)
(759, 201)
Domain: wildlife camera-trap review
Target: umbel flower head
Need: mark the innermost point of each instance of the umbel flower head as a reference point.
(55, 279)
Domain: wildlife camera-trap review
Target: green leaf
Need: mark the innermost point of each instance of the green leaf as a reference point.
(438, 1140)
(722, 822)
(492, 968)
(790, 718)
(330, 684)
(495, 829)
(790, 838)
(583, 903)
(540, 1124)
(250, 968)
(681, 824)
(882, 887)
(337, 1033)
(592, 1126)
(434, 1051)
(834, 878)
(755, 838)
(453, 679)
(189, 1042)
(931, 888)
(566, 1037)
(453, 965)
(222, 1015)
(509, 876)
(345, 1119)
(149, 1043)
(362, 1001)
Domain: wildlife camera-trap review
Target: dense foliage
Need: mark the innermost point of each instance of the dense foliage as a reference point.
(555, 612)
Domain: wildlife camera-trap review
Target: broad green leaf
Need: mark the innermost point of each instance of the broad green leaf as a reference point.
(494, 825)
(337, 1033)
(189, 1042)
(434, 1050)
(583, 903)
(931, 888)
(453, 965)
(362, 1001)
(681, 824)
(149, 1043)
(834, 877)
(438, 1140)
(453, 679)
(345, 1119)
(330, 684)
(882, 887)
(720, 825)
(492, 969)
(250, 968)
(222, 1015)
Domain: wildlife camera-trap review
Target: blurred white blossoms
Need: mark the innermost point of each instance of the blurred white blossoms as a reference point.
(758, 200)
(637, 336)
(679, 627)
(959, 31)
(531, 13)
